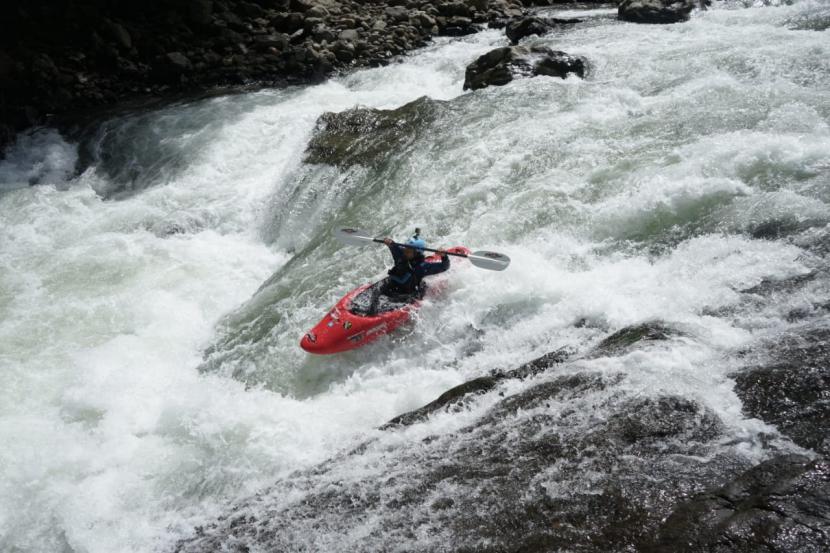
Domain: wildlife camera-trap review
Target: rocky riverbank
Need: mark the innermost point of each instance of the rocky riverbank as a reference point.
(61, 62)
(59, 59)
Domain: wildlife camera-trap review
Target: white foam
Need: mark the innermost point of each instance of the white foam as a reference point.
(118, 443)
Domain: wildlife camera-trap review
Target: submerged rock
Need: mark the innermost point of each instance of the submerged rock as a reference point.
(553, 460)
(623, 339)
(655, 11)
(567, 462)
(780, 505)
(517, 480)
(459, 396)
(792, 391)
(500, 66)
(365, 135)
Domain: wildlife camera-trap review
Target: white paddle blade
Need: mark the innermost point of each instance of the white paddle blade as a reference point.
(489, 260)
(352, 236)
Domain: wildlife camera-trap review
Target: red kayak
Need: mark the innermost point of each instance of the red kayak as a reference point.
(349, 326)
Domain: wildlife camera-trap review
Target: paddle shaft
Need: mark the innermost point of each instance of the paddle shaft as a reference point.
(379, 241)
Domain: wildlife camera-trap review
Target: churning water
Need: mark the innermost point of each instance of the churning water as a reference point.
(150, 308)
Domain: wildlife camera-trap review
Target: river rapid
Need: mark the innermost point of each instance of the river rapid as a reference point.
(151, 306)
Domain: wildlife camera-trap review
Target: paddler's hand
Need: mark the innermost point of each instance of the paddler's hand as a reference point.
(442, 253)
(388, 241)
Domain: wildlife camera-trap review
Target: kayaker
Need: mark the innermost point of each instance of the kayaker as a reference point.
(406, 276)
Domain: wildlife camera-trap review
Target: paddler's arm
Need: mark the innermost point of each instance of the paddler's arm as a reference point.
(397, 253)
(429, 268)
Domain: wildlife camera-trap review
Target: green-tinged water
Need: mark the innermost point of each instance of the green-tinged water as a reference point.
(149, 341)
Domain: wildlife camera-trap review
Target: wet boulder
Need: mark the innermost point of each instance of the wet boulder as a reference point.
(455, 8)
(624, 339)
(396, 13)
(791, 390)
(365, 136)
(563, 464)
(557, 460)
(655, 11)
(277, 41)
(200, 12)
(171, 67)
(458, 25)
(518, 29)
(780, 505)
(459, 397)
(117, 33)
(527, 26)
(500, 66)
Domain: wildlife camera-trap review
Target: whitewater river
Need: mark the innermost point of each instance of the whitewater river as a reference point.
(151, 307)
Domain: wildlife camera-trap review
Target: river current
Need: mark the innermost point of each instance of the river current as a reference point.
(151, 306)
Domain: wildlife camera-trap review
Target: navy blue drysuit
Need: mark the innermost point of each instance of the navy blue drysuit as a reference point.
(405, 277)
(404, 281)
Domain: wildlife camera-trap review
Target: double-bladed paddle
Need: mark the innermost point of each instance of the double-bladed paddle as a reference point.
(485, 260)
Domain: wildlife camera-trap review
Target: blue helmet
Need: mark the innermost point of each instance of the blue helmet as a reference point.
(416, 243)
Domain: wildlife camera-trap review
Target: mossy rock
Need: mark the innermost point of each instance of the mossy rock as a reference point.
(366, 136)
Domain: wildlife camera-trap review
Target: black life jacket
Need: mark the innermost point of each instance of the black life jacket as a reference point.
(403, 277)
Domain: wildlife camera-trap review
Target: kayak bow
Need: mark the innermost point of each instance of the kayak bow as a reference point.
(349, 326)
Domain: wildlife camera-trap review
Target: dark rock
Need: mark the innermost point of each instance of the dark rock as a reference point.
(122, 50)
(777, 229)
(288, 22)
(769, 286)
(452, 397)
(520, 28)
(780, 505)
(364, 136)
(44, 68)
(301, 5)
(397, 13)
(655, 11)
(423, 19)
(493, 68)
(623, 339)
(458, 26)
(250, 9)
(235, 22)
(317, 11)
(459, 396)
(792, 391)
(344, 51)
(500, 66)
(454, 8)
(655, 420)
(178, 62)
(278, 41)
(323, 33)
(6, 69)
(200, 12)
(349, 35)
(559, 64)
(117, 33)
(310, 23)
(529, 475)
